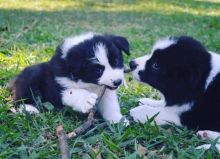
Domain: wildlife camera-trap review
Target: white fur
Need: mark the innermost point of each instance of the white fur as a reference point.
(215, 68)
(109, 107)
(110, 74)
(80, 100)
(207, 134)
(207, 146)
(101, 53)
(164, 43)
(166, 113)
(28, 108)
(83, 97)
(141, 62)
(152, 102)
(76, 96)
(74, 40)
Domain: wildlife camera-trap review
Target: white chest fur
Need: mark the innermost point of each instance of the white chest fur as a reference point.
(82, 96)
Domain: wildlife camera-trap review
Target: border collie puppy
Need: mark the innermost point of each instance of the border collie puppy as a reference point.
(74, 76)
(188, 77)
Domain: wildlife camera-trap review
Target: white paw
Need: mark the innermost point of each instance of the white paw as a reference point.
(207, 134)
(202, 134)
(145, 101)
(79, 99)
(141, 113)
(207, 146)
(28, 108)
(114, 119)
(151, 102)
(88, 102)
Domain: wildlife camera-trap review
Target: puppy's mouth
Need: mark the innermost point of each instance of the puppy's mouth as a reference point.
(111, 88)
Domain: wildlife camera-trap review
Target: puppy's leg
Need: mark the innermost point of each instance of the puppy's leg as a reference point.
(80, 100)
(152, 102)
(207, 146)
(109, 107)
(207, 134)
(28, 108)
(166, 114)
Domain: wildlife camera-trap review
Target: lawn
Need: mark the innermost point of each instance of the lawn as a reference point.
(29, 34)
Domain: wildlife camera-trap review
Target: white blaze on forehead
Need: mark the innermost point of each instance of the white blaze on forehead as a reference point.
(164, 43)
(74, 40)
(141, 62)
(110, 74)
(101, 53)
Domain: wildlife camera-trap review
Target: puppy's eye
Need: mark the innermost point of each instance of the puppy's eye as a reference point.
(116, 62)
(98, 70)
(155, 66)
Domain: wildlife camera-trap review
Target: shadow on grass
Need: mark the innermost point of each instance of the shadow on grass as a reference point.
(141, 27)
(137, 25)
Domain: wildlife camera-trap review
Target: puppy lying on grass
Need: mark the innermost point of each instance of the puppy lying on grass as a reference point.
(188, 77)
(74, 75)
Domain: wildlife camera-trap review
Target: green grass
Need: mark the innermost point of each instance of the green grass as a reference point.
(142, 22)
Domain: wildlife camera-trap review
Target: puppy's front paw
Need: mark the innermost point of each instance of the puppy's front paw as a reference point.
(202, 134)
(151, 102)
(143, 112)
(208, 146)
(79, 99)
(208, 134)
(114, 119)
(28, 108)
(145, 101)
(139, 114)
(88, 102)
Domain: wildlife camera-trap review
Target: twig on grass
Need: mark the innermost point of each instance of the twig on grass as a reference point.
(82, 128)
(64, 148)
(62, 136)
(90, 120)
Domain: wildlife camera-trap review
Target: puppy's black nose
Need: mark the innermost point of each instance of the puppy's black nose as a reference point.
(117, 82)
(133, 65)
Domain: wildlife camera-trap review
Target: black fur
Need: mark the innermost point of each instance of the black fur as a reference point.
(180, 72)
(38, 81)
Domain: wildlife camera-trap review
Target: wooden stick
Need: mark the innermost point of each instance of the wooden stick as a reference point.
(62, 136)
(90, 120)
(64, 148)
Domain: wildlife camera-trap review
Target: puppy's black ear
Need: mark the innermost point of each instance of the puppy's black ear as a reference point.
(120, 42)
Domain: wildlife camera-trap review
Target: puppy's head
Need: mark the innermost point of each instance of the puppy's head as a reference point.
(94, 58)
(177, 67)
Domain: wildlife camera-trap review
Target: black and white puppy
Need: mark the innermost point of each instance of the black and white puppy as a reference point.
(188, 77)
(75, 74)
